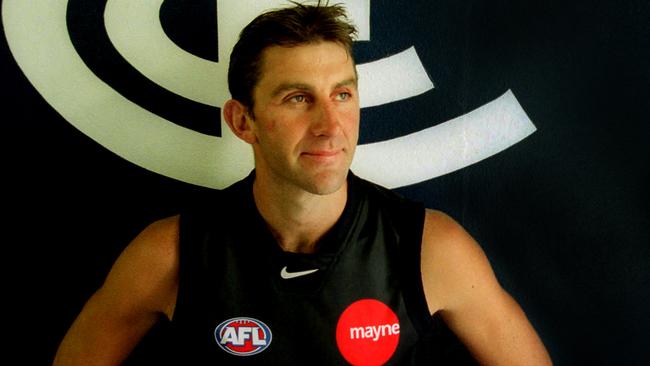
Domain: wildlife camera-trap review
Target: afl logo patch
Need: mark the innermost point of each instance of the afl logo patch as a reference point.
(243, 336)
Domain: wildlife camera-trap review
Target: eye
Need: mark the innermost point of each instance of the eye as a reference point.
(343, 96)
(300, 98)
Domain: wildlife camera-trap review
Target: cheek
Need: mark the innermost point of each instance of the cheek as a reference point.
(269, 125)
(264, 127)
(351, 122)
(275, 135)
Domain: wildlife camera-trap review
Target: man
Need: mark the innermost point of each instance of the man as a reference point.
(302, 262)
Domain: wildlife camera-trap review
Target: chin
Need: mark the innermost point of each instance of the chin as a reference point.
(328, 183)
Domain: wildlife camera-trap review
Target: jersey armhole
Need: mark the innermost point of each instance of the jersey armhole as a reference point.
(190, 246)
(437, 342)
(412, 221)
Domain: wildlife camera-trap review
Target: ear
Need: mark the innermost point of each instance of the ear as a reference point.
(239, 121)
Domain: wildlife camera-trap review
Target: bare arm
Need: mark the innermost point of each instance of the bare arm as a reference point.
(140, 288)
(459, 281)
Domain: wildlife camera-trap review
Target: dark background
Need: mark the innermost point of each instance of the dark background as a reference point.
(563, 215)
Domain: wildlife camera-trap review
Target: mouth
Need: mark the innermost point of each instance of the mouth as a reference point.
(322, 155)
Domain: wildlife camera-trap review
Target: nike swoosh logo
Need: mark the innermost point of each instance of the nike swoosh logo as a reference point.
(289, 275)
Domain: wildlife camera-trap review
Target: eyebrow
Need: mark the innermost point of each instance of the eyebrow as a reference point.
(306, 87)
(351, 81)
(289, 86)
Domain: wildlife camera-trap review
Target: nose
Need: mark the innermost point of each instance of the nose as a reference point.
(326, 121)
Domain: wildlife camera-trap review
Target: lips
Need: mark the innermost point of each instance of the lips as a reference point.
(322, 155)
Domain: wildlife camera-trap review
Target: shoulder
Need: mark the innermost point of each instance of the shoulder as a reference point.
(156, 245)
(454, 267)
(147, 269)
(444, 235)
(459, 282)
(139, 289)
(160, 235)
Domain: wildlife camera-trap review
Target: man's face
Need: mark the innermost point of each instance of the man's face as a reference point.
(306, 109)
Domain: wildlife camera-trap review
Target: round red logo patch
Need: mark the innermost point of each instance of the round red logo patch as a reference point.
(367, 333)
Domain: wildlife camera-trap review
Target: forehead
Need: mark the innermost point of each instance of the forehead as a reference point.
(322, 62)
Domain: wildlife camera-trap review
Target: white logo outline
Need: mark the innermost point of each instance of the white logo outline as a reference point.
(39, 41)
(286, 275)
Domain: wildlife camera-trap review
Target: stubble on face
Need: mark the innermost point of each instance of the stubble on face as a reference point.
(306, 117)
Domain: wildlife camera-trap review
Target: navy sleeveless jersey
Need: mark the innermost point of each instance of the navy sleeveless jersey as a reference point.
(357, 300)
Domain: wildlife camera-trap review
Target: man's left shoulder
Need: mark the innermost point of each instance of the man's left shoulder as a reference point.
(445, 238)
(439, 225)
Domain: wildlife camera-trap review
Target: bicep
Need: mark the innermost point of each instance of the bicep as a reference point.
(459, 280)
(103, 334)
(496, 330)
(138, 290)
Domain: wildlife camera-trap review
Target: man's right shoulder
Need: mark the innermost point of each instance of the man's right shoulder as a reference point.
(156, 243)
(162, 233)
(155, 248)
(150, 263)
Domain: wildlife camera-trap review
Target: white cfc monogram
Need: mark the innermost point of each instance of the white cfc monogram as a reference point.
(39, 41)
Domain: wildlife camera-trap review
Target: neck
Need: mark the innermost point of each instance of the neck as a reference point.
(298, 219)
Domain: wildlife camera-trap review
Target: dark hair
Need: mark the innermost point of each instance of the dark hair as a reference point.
(294, 26)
